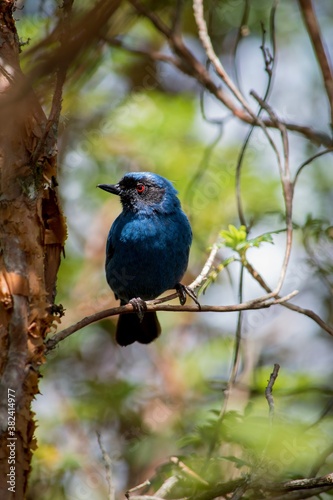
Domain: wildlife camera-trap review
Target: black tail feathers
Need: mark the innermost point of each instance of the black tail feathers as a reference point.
(130, 329)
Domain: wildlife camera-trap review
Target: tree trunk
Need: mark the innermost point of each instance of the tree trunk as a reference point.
(31, 239)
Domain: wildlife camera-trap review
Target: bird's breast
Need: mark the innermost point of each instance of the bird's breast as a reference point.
(150, 254)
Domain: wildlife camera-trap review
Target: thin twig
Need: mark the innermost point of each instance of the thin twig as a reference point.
(285, 298)
(177, 18)
(270, 72)
(153, 17)
(278, 124)
(207, 45)
(315, 136)
(310, 314)
(167, 486)
(108, 467)
(154, 55)
(287, 186)
(201, 278)
(188, 471)
(310, 160)
(288, 305)
(238, 338)
(136, 488)
(269, 389)
(239, 38)
(192, 67)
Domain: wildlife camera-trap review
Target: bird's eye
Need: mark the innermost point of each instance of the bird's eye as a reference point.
(140, 188)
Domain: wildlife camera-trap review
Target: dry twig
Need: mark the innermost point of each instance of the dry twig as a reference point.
(136, 488)
(108, 467)
(269, 389)
(190, 472)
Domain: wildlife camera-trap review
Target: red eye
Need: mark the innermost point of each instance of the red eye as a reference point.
(140, 188)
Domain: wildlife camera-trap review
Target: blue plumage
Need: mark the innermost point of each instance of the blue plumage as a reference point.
(147, 248)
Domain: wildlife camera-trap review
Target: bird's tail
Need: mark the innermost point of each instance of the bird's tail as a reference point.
(130, 329)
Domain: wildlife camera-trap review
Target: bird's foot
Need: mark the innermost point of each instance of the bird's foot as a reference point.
(184, 290)
(139, 307)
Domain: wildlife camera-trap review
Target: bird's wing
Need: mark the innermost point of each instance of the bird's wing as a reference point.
(109, 248)
(110, 252)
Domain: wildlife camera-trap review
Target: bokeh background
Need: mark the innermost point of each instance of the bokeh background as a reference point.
(122, 112)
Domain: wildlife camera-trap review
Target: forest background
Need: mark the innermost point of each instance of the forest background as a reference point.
(233, 102)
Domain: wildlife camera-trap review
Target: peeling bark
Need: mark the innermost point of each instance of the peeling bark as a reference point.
(32, 234)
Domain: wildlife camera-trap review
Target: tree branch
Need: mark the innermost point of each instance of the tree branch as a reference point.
(293, 307)
(201, 278)
(292, 490)
(192, 67)
(158, 306)
(303, 494)
(299, 484)
(269, 389)
(207, 45)
(313, 29)
(154, 55)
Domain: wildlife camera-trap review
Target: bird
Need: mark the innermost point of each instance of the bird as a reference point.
(147, 251)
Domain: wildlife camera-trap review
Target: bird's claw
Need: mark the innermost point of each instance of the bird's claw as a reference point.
(184, 290)
(139, 307)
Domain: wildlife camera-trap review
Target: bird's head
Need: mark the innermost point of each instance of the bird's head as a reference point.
(144, 191)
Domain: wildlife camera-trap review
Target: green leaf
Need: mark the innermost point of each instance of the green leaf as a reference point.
(234, 237)
(237, 239)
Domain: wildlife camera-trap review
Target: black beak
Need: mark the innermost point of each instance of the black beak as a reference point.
(110, 188)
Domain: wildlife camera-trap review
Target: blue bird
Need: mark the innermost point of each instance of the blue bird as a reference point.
(147, 251)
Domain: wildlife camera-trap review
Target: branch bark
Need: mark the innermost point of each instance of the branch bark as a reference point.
(313, 28)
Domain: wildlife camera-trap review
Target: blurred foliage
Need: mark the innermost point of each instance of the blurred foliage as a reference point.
(123, 112)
